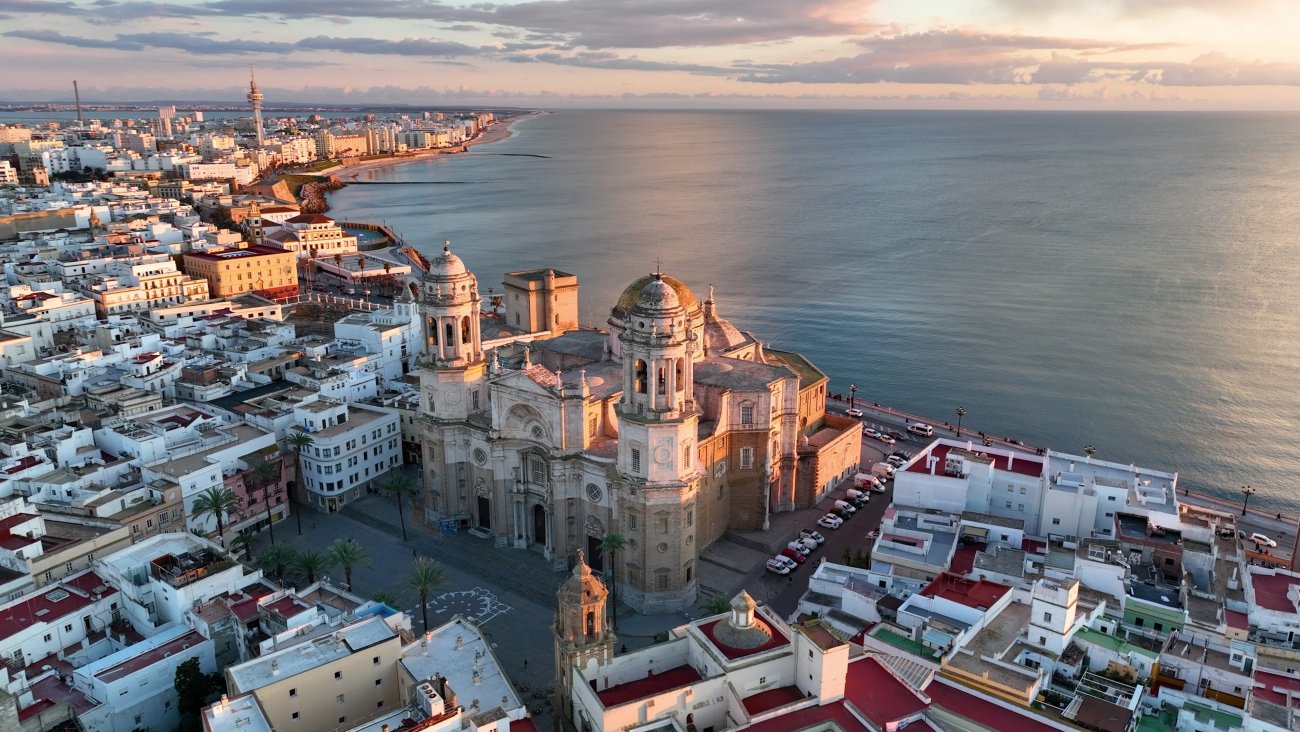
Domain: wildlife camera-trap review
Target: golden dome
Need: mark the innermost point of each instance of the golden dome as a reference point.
(629, 298)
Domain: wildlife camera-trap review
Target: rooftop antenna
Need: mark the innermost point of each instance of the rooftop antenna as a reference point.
(81, 121)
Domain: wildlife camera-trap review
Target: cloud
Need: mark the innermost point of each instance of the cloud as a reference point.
(403, 47)
(599, 24)
(39, 6)
(78, 41)
(607, 60)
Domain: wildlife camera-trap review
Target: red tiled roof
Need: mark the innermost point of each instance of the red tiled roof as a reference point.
(310, 219)
(879, 694)
(971, 593)
(287, 606)
(809, 716)
(148, 658)
(1271, 591)
(1274, 687)
(28, 611)
(776, 641)
(649, 686)
(771, 699)
(1020, 463)
(993, 716)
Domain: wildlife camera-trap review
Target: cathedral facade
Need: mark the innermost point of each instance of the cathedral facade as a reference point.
(668, 429)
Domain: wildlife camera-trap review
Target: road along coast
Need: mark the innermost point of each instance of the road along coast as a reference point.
(495, 132)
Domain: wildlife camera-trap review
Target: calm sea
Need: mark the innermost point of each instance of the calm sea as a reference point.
(1129, 281)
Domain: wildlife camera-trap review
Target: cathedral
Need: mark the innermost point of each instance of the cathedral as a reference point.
(668, 428)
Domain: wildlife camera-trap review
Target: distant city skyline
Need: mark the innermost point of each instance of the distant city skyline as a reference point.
(1096, 54)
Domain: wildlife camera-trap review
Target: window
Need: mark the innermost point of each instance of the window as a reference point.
(690, 517)
(473, 399)
(746, 458)
(1047, 617)
(592, 425)
(663, 524)
(1110, 498)
(338, 699)
(67, 628)
(293, 692)
(375, 660)
(720, 469)
(338, 674)
(686, 455)
(1056, 522)
(1159, 627)
(48, 637)
(1008, 504)
(631, 522)
(636, 460)
(747, 414)
(344, 719)
(1022, 490)
(1139, 622)
(1042, 640)
(1020, 506)
(379, 682)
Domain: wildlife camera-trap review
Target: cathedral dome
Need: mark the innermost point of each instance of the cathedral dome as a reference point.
(446, 264)
(657, 297)
(744, 629)
(632, 295)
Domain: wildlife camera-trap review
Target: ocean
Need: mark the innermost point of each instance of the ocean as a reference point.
(1129, 281)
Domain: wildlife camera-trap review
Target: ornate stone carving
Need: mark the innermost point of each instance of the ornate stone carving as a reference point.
(595, 527)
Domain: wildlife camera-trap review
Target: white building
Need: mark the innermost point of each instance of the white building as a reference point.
(136, 685)
(352, 446)
(57, 617)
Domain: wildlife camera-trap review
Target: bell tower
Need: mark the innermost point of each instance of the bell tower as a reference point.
(583, 638)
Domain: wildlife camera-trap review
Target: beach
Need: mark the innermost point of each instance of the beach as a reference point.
(495, 132)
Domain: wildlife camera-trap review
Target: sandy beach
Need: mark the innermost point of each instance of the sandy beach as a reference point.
(495, 132)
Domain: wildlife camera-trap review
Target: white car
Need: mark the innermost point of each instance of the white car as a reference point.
(830, 521)
(885, 438)
(787, 561)
(1261, 540)
(812, 534)
(777, 567)
(871, 432)
(855, 412)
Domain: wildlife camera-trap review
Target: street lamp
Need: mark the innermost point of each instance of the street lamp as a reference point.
(1246, 491)
(853, 391)
(961, 412)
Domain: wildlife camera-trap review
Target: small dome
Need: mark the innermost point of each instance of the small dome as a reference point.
(657, 296)
(632, 294)
(743, 602)
(446, 264)
(582, 587)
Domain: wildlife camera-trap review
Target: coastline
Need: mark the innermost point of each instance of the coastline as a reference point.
(496, 132)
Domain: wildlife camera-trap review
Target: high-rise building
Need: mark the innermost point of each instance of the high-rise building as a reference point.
(255, 99)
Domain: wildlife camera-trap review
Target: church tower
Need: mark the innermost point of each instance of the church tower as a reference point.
(583, 638)
(658, 426)
(453, 375)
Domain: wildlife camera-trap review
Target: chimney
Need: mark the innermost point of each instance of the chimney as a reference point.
(275, 667)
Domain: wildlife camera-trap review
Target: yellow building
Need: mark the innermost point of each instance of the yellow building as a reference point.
(267, 271)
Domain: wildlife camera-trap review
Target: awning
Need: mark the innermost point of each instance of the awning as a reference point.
(977, 532)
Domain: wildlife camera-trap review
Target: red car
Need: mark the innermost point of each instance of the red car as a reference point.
(796, 556)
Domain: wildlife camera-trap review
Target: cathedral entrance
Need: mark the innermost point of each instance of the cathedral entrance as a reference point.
(539, 524)
(595, 558)
(484, 513)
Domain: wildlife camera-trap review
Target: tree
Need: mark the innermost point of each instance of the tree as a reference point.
(218, 502)
(347, 553)
(717, 604)
(267, 474)
(612, 544)
(398, 485)
(299, 441)
(426, 577)
(277, 559)
(244, 541)
(310, 563)
(387, 598)
(194, 690)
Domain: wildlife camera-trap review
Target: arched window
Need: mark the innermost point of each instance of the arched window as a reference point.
(591, 622)
(681, 375)
(662, 386)
(639, 376)
(433, 331)
(450, 333)
(464, 329)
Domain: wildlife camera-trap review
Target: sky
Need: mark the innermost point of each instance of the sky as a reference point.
(1084, 54)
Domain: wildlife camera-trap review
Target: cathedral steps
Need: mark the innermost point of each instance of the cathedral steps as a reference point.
(735, 538)
(470, 555)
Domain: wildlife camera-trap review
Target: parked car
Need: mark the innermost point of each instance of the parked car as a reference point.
(800, 547)
(813, 534)
(1261, 540)
(901, 454)
(866, 480)
(884, 471)
(777, 567)
(830, 521)
(793, 565)
(871, 432)
(859, 502)
(855, 494)
(897, 435)
(798, 557)
(896, 461)
(855, 412)
(921, 428)
(841, 514)
(885, 438)
(845, 506)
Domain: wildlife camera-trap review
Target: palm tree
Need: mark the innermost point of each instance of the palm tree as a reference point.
(267, 474)
(217, 501)
(277, 559)
(387, 598)
(612, 544)
(717, 604)
(244, 540)
(310, 563)
(347, 553)
(299, 441)
(426, 577)
(398, 485)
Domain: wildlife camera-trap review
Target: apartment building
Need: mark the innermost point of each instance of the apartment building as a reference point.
(267, 271)
(352, 445)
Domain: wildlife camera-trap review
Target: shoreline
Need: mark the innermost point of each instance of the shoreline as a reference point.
(496, 132)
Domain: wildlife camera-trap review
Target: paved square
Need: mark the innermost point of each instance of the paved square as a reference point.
(477, 604)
